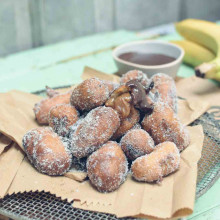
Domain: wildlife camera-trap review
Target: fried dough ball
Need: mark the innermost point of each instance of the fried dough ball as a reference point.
(135, 75)
(90, 94)
(46, 151)
(164, 125)
(111, 85)
(107, 167)
(94, 130)
(136, 143)
(164, 85)
(165, 159)
(61, 117)
(42, 108)
(127, 123)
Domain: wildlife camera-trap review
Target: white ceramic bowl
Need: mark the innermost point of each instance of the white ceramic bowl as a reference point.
(149, 46)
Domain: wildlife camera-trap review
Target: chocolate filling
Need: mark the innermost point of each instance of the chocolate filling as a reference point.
(138, 94)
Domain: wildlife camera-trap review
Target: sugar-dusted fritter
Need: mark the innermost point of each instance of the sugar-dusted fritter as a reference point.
(62, 117)
(107, 167)
(136, 143)
(165, 86)
(135, 75)
(42, 108)
(127, 123)
(46, 151)
(94, 130)
(90, 94)
(164, 125)
(165, 159)
(111, 85)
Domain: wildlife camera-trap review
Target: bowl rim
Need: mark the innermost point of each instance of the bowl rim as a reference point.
(177, 60)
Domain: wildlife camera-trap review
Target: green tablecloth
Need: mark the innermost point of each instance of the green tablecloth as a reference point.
(63, 63)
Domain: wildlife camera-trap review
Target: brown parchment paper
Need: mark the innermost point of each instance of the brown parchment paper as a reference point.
(4, 142)
(17, 114)
(10, 161)
(29, 179)
(197, 88)
(171, 198)
(76, 175)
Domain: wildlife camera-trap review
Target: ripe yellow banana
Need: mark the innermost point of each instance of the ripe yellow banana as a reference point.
(206, 34)
(195, 54)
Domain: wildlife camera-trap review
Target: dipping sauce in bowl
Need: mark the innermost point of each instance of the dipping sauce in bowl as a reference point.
(149, 56)
(146, 58)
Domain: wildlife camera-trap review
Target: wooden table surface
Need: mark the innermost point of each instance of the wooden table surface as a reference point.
(62, 64)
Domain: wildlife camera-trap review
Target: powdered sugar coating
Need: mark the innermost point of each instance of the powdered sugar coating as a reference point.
(46, 151)
(42, 108)
(111, 85)
(62, 117)
(94, 130)
(136, 126)
(90, 94)
(73, 128)
(127, 123)
(135, 75)
(165, 86)
(107, 167)
(136, 143)
(165, 159)
(164, 125)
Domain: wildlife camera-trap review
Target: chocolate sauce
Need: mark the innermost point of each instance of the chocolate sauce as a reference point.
(138, 94)
(150, 59)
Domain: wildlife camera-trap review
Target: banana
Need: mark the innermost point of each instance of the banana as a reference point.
(194, 53)
(206, 34)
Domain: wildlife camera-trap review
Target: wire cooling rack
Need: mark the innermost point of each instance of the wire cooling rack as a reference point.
(44, 206)
(209, 164)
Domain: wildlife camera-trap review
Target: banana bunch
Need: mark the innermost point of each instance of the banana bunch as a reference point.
(194, 53)
(202, 46)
